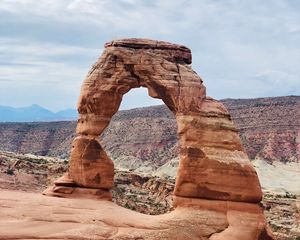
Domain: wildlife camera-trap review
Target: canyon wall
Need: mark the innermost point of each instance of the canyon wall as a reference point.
(269, 129)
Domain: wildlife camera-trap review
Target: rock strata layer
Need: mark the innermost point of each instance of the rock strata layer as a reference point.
(268, 127)
(213, 164)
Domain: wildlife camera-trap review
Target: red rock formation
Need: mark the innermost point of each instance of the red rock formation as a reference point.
(213, 164)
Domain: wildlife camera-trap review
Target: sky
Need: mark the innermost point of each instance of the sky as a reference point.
(241, 48)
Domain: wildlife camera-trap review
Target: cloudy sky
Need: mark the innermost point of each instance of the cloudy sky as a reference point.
(241, 49)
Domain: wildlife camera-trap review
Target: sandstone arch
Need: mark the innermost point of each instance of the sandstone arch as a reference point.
(217, 189)
(213, 164)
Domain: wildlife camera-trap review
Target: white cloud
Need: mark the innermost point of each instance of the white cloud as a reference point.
(138, 97)
(276, 81)
(26, 59)
(35, 67)
(41, 49)
(237, 45)
(294, 28)
(43, 7)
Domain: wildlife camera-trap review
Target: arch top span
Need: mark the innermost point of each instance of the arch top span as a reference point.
(213, 163)
(163, 68)
(180, 52)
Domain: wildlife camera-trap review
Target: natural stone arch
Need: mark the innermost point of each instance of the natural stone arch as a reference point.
(217, 189)
(213, 164)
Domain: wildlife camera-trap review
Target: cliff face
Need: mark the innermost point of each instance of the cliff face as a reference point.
(269, 127)
(146, 138)
(40, 138)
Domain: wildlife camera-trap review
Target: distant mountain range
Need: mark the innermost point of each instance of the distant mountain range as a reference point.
(34, 113)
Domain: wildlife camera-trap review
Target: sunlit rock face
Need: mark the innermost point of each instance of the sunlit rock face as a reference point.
(213, 164)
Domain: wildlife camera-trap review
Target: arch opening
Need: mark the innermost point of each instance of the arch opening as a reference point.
(153, 125)
(144, 146)
(138, 98)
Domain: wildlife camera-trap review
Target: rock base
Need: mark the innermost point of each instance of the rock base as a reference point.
(66, 188)
(244, 220)
(33, 216)
(78, 192)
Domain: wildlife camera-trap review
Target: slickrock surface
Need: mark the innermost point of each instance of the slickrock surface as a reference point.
(33, 216)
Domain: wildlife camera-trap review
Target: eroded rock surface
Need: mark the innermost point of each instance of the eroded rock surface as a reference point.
(57, 218)
(213, 164)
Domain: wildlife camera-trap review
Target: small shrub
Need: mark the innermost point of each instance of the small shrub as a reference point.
(275, 227)
(290, 195)
(128, 206)
(10, 171)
